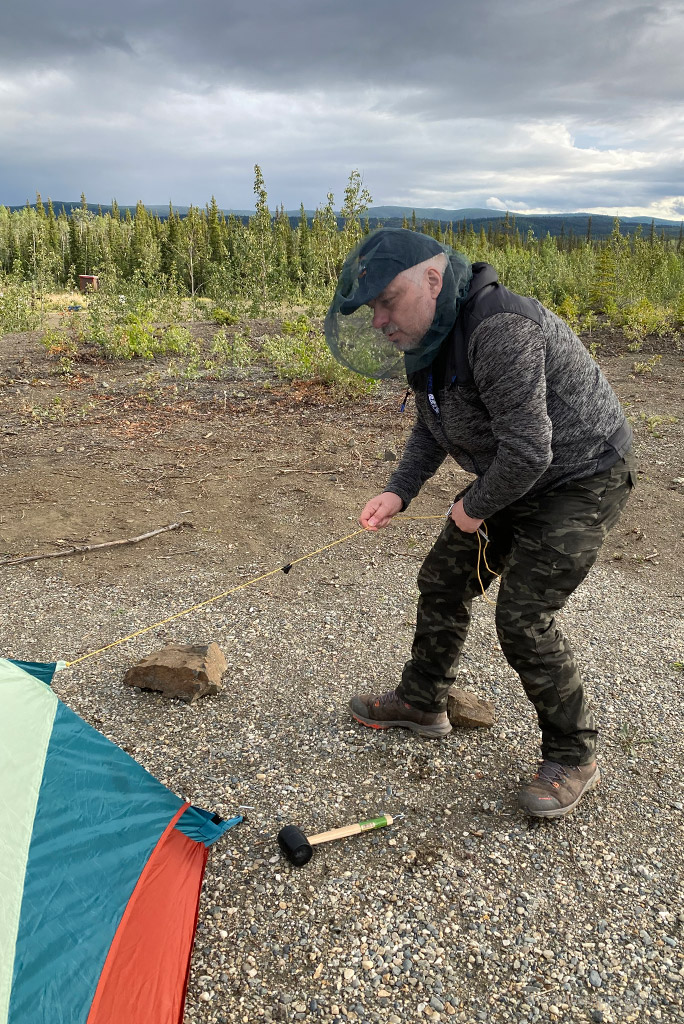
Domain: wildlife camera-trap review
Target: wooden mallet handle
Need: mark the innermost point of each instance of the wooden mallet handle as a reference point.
(351, 830)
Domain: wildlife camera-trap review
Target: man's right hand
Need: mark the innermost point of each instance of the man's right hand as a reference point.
(380, 510)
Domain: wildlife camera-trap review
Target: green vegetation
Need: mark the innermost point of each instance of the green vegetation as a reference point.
(203, 265)
(647, 367)
(301, 352)
(19, 309)
(118, 326)
(631, 736)
(653, 423)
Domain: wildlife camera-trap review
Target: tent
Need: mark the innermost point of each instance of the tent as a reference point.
(100, 869)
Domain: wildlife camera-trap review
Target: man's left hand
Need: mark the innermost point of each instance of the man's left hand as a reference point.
(462, 520)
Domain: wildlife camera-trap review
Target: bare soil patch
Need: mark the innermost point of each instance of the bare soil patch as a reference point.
(263, 468)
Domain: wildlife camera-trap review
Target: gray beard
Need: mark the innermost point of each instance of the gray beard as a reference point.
(402, 346)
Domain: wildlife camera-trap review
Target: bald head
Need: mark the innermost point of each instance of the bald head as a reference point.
(417, 273)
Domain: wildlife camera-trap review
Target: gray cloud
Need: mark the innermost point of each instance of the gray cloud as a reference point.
(533, 52)
(558, 103)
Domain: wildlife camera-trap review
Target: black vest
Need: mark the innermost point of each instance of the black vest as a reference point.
(486, 297)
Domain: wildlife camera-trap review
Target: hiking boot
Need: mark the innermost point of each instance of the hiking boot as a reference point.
(556, 789)
(388, 711)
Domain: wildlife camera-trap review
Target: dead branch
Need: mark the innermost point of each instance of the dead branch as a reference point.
(184, 551)
(311, 472)
(82, 549)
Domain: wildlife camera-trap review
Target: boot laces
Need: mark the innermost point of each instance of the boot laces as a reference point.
(552, 772)
(388, 698)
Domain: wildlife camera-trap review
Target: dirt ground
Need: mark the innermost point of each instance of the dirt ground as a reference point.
(264, 470)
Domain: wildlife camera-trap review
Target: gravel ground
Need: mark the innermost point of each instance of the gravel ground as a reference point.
(465, 910)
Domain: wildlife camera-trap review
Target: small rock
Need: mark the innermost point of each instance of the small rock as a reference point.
(465, 709)
(595, 979)
(389, 455)
(186, 671)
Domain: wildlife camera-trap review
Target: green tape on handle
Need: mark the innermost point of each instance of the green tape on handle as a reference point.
(366, 826)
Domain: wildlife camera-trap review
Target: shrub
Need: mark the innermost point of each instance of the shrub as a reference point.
(57, 342)
(18, 308)
(235, 350)
(299, 357)
(648, 366)
(569, 310)
(223, 317)
(301, 326)
(642, 318)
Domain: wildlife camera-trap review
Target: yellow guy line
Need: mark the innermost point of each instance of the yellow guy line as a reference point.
(210, 600)
(241, 586)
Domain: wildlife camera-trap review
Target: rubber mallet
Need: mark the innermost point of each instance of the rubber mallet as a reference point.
(298, 848)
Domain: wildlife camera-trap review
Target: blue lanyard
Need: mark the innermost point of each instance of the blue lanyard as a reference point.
(431, 396)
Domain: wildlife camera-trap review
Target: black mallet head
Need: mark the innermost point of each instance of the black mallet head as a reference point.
(295, 845)
(298, 848)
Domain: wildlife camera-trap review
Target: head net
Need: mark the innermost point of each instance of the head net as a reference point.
(366, 272)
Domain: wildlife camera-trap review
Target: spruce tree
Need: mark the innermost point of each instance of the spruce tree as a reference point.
(357, 199)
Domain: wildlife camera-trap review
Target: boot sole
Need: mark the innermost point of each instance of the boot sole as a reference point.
(560, 812)
(433, 733)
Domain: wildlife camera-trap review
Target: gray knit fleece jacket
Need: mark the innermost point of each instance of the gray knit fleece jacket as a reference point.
(538, 413)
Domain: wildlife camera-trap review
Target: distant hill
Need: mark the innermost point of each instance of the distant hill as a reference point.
(476, 213)
(399, 212)
(554, 224)
(157, 211)
(540, 224)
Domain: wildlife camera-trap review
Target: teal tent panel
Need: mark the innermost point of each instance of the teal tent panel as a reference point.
(204, 827)
(99, 816)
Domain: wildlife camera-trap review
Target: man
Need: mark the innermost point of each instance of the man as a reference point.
(504, 387)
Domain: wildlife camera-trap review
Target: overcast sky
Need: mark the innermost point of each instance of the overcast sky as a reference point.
(526, 105)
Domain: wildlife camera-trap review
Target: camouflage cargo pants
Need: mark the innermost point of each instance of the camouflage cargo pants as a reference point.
(543, 547)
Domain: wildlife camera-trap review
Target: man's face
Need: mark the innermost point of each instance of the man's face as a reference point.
(405, 309)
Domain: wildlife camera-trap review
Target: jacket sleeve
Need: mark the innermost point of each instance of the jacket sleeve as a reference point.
(421, 459)
(508, 355)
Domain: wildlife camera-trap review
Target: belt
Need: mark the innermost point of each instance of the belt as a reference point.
(618, 442)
